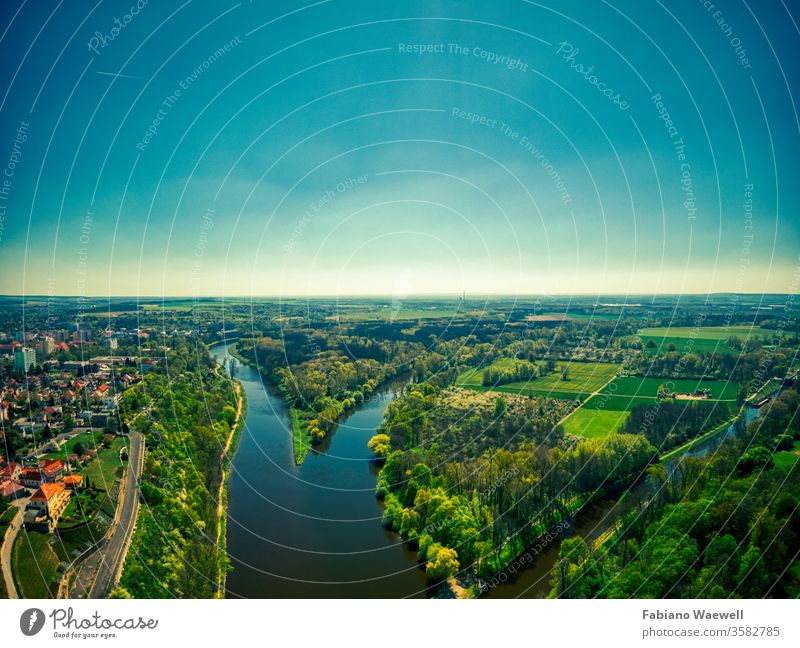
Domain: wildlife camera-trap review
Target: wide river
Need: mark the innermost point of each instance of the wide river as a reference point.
(312, 530)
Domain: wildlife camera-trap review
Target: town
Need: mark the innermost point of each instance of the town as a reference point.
(64, 434)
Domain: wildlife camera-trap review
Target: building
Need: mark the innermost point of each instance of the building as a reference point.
(11, 489)
(24, 359)
(47, 504)
(10, 470)
(31, 477)
(46, 346)
(73, 482)
(52, 470)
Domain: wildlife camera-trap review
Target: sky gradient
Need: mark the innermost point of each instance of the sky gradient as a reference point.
(340, 148)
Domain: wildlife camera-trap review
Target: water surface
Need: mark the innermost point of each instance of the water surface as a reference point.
(312, 530)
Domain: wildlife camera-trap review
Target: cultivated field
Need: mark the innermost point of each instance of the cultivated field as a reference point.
(648, 387)
(606, 412)
(594, 423)
(704, 339)
(583, 378)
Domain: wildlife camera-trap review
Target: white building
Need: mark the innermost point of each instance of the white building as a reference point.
(24, 359)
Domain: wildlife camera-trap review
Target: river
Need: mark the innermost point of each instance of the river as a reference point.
(314, 531)
(310, 531)
(533, 581)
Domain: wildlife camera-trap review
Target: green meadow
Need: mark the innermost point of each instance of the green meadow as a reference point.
(703, 339)
(787, 458)
(606, 412)
(594, 423)
(583, 378)
(648, 387)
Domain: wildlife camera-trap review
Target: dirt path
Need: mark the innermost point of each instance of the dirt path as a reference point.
(588, 398)
(7, 544)
(220, 493)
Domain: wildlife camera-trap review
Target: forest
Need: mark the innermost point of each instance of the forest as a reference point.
(667, 424)
(470, 479)
(726, 525)
(174, 551)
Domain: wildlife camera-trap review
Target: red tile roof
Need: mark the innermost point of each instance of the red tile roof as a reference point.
(47, 491)
(32, 474)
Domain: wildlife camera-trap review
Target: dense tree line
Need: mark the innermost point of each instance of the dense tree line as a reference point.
(471, 506)
(667, 424)
(748, 368)
(722, 526)
(174, 551)
(519, 371)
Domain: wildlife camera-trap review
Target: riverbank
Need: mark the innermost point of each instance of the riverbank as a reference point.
(301, 439)
(310, 428)
(313, 530)
(222, 495)
(676, 452)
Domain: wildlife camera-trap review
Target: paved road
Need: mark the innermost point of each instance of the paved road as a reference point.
(5, 549)
(98, 573)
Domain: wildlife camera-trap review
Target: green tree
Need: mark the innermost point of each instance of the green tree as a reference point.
(443, 565)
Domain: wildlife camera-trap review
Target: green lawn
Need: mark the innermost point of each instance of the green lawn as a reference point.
(787, 458)
(707, 332)
(595, 423)
(106, 467)
(474, 377)
(605, 401)
(89, 441)
(35, 565)
(648, 387)
(301, 441)
(583, 379)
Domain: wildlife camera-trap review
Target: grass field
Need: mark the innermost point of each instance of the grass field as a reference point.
(583, 379)
(474, 377)
(607, 412)
(707, 332)
(391, 314)
(648, 387)
(787, 458)
(595, 423)
(35, 565)
(301, 441)
(604, 401)
(703, 339)
(106, 467)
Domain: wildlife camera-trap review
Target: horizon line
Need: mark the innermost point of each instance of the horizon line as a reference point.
(455, 295)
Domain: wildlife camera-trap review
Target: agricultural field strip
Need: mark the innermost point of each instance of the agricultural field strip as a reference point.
(705, 332)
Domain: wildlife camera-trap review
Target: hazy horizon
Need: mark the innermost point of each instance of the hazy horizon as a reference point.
(262, 149)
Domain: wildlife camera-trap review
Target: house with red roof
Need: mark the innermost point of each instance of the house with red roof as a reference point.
(31, 477)
(73, 482)
(10, 470)
(52, 470)
(47, 504)
(10, 489)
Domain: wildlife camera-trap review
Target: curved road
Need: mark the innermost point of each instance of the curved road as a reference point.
(7, 544)
(98, 574)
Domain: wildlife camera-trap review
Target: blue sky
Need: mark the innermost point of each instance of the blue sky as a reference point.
(275, 148)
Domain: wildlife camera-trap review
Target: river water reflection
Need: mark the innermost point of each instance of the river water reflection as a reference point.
(312, 530)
